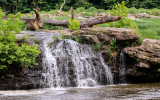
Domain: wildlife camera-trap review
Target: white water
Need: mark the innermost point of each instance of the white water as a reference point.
(70, 64)
(122, 69)
(67, 63)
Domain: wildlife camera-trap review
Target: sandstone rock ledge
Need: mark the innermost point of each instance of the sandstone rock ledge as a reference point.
(143, 62)
(105, 35)
(146, 54)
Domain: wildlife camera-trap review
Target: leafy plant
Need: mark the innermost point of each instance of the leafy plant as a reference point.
(96, 46)
(24, 38)
(55, 38)
(74, 25)
(121, 10)
(109, 54)
(10, 51)
(113, 46)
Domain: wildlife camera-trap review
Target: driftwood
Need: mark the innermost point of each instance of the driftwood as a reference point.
(89, 22)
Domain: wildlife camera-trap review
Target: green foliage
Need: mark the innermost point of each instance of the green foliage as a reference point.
(26, 54)
(96, 46)
(55, 38)
(79, 10)
(74, 25)
(91, 9)
(121, 10)
(46, 5)
(148, 28)
(63, 18)
(113, 46)
(51, 27)
(78, 39)
(109, 54)
(156, 12)
(11, 52)
(24, 38)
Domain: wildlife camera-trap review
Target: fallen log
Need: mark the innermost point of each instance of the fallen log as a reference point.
(89, 22)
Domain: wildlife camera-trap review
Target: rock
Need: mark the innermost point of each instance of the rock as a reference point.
(148, 53)
(144, 15)
(90, 38)
(143, 62)
(107, 34)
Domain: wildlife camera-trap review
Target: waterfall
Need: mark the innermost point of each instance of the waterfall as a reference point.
(67, 63)
(122, 70)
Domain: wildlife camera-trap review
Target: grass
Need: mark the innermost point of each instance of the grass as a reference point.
(154, 11)
(148, 28)
(65, 18)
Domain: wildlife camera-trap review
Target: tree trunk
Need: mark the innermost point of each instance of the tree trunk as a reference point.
(37, 23)
(89, 22)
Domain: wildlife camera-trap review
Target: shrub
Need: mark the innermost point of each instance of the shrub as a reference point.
(132, 10)
(156, 12)
(96, 47)
(121, 10)
(74, 24)
(113, 46)
(11, 52)
(91, 9)
(79, 10)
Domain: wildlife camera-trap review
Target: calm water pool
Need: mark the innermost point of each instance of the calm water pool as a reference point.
(114, 92)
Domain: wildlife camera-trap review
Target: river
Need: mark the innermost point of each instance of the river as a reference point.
(111, 92)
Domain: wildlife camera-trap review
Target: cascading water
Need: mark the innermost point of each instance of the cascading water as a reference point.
(68, 63)
(122, 69)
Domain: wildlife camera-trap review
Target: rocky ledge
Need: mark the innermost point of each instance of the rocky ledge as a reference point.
(143, 62)
(105, 35)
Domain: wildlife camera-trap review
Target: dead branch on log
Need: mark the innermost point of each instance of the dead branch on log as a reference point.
(62, 5)
(37, 14)
(34, 24)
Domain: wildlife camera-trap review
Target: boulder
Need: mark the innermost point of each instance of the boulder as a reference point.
(143, 62)
(146, 54)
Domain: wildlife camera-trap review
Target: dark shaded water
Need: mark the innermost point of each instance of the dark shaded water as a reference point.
(114, 92)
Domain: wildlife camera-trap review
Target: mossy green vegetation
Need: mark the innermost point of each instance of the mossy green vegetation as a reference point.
(74, 25)
(10, 51)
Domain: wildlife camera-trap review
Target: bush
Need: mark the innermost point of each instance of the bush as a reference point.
(156, 12)
(121, 10)
(91, 9)
(96, 46)
(74, 24)
(132, 10)
(11, 52)
(79, 10)
(113, 46)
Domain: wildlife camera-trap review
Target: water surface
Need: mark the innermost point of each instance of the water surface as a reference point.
(114, 92)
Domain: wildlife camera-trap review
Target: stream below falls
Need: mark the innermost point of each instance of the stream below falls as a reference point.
(111, 92)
